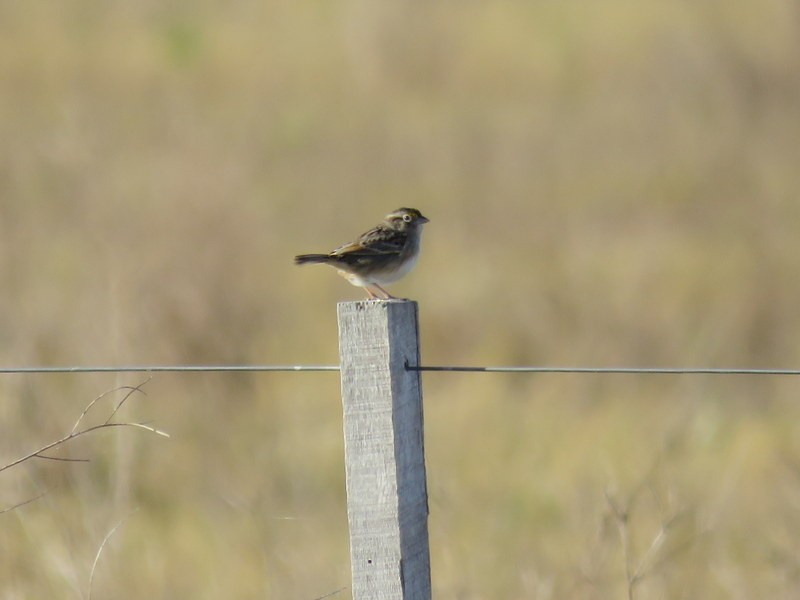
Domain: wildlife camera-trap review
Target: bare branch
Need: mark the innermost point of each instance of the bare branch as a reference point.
(61, 459)
(140, 425)
(100, 397)
(23, 503)
(131, 391)
(40, 453)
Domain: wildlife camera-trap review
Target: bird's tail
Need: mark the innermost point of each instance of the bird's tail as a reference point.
(311, 258)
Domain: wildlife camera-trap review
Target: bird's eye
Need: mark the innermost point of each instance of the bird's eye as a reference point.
(407, 218)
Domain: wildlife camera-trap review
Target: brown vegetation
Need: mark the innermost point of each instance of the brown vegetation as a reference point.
(608, 183)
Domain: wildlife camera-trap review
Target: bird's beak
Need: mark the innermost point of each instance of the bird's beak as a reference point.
(423, 219)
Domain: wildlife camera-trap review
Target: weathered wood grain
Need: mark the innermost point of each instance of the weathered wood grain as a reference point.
(387, 501)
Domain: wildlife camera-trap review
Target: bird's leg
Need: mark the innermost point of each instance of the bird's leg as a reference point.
(370, 293)
(386, 295)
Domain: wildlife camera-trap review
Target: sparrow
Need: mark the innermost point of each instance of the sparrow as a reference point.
(382, 255)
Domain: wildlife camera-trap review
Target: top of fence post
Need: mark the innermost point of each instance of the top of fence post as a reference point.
(387, 502)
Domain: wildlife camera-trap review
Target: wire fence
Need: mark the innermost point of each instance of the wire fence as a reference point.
(613, 370)
(429, 368)
(168, 369)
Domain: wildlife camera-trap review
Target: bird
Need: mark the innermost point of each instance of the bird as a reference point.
(379, 256)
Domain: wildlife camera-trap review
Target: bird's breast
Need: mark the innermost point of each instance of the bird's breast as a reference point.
(405, 262)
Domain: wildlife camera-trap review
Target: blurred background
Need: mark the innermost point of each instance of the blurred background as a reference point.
(608, 184)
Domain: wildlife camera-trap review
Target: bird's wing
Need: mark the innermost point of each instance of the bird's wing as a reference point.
(377, 241)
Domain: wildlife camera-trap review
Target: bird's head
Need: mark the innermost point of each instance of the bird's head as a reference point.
(404, 219)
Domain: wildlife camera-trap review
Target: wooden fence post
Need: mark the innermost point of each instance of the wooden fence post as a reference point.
(387, 499)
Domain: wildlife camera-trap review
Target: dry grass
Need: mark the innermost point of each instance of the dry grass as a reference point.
(607, 184)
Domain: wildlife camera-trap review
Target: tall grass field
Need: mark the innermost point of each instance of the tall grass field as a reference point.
(608, 184)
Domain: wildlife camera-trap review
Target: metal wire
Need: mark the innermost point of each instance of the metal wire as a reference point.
(611, 370)
(170, 369)
(458, 369)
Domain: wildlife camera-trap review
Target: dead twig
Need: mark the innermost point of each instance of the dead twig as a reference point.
(23, 503)
(131, 391)
(62, 459)
(72, 436)
(75, 432)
